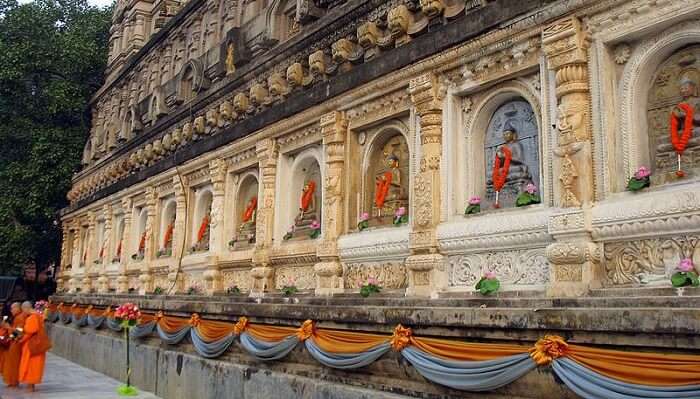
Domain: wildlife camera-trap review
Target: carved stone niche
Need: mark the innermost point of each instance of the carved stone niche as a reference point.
(386, 185)
(304, 197)
(512, 125)
(245, 218)
(676, 81)
(233, 52)
(191, 80)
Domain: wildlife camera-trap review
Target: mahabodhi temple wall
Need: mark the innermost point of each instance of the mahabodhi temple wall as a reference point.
(250, 137)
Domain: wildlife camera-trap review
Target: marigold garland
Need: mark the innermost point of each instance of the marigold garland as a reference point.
(501, 173)
(680, 143)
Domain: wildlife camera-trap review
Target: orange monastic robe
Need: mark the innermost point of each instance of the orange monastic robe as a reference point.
(31, 368)
(10, 366)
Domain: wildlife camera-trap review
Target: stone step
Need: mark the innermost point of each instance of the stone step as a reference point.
(645, 292)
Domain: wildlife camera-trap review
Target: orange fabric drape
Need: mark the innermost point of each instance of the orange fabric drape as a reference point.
(337, 341)
(203, 228)
(307, 195)
(142, 242)
(639, 367)
(171, 324)
(168, 239)
(248, 214)
(382, 189)
(466, 351)
(270, 333)
(213, 330)
(501, 173)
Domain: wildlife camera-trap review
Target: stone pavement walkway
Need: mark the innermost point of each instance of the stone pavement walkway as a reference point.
(67, 380)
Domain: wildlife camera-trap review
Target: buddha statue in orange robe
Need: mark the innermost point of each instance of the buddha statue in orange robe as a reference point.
(246, 230)
(389, 191)
(308, 209)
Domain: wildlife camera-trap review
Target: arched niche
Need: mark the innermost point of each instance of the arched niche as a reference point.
(282, 19)
(83, 247)
(101, 241)
(386, 164)
(118, 242)
(167, 227)
(201, 222)
(676, 81)
(636, 124)
(140, 240)
(251, 9)
(304, 177)
(510, 107)
(245, 216)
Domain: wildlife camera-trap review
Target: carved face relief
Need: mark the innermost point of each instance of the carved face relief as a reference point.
(258, 93)
(688, 88)
(240, 102)
(341, 50)
(432, 8)
(367, 34)
(570, 122)
(187, 131)
(226, 110)
(295, 74)
(212, 118)
(399, 18)
(199, 124)
(277, 84)
(317, 62)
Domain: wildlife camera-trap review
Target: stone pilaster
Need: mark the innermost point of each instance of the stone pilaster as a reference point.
(212, 275)
(91, 244)
(102, 280)
(145, 276)
(262, 273)
(179, 235)
(75, 258)
(426, 270)
(122, 280)
(329, 271)
(574, 257)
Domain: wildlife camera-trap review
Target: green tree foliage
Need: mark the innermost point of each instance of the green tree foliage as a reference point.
(52, 60)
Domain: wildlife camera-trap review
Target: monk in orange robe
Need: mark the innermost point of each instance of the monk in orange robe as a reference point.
(31, 367)
(10, 366)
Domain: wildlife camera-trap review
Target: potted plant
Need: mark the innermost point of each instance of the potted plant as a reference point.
(488, 284)
(158, 291)
(364, 221)
(685, 274)
(127, 315)
(234, 290)
(289, 288)
(315, 229)
(474, 206)
(639, 180)
(194, 289)
(529, 196)
(371, 286)
(400, 217)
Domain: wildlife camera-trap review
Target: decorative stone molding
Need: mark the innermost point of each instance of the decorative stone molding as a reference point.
(390, 275)
(374, 245)
(515, 269)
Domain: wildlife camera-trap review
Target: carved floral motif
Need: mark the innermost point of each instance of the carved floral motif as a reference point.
(522, 267)
(391, 275)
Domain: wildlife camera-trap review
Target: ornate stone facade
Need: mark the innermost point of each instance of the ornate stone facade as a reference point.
(386, 105)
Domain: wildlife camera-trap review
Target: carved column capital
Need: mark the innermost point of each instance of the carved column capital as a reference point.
(565, 43)
(426, 95)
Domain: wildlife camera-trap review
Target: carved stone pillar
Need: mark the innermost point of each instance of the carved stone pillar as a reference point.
(175, 279)
(104, 247)
(212, 275)
(125, 258)
(329, 271)
(145, 278)
(90, 242)
(75, 258)
(574, 257)
(426, 269)
(262, 274)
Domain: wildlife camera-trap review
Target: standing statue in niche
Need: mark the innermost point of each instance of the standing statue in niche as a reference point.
(203, 232)
(511, 153)
(246, 230)
(308, 218)
(230, 63)
(167, 249)
(685, 117)
(390, 191)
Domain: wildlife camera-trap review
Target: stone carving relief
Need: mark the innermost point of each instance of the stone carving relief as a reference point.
(676, 81)
(236, 277)
(648, 261)
(521, 267)
(513, 125)
(390, 275)
(301, 276)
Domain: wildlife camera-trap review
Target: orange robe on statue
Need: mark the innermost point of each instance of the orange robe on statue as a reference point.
(10, 366)
(31, 368)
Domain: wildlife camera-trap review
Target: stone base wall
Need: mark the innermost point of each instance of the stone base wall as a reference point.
(176, 373)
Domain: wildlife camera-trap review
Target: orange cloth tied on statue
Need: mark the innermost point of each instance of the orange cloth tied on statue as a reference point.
(142, 242)
(119, 249)
(501, 173)
(31, 368)
(10, 366)
(203, 228)
(382, 189)
(252, 206)
(307, 195)
(168, 239)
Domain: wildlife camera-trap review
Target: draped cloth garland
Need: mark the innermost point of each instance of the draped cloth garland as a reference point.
(382, 189)
(589, 372)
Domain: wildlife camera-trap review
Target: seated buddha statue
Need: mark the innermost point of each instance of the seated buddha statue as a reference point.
(687, 112)
(308, 210)
(167, 249)
(510, 172)
(202, 239)
(389, 190)
(246, 230)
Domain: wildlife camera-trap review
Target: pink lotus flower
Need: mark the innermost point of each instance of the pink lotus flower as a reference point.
(127, 311)
(530, 188)
(474, 200)
(490, 275)
(686, 265)
(642, 173)
(290, 282)
(364, 217)
(372, 281)
(315, 225)
(400, 212)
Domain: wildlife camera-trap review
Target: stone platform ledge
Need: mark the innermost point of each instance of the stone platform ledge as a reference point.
(624, 321)
(176, 372)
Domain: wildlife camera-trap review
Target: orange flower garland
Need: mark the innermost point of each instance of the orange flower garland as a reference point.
(308, 195)
(680, 143)
(382, 189)
(501, 173)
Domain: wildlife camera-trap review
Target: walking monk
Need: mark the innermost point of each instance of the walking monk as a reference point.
(10, 366)
(31, 367)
